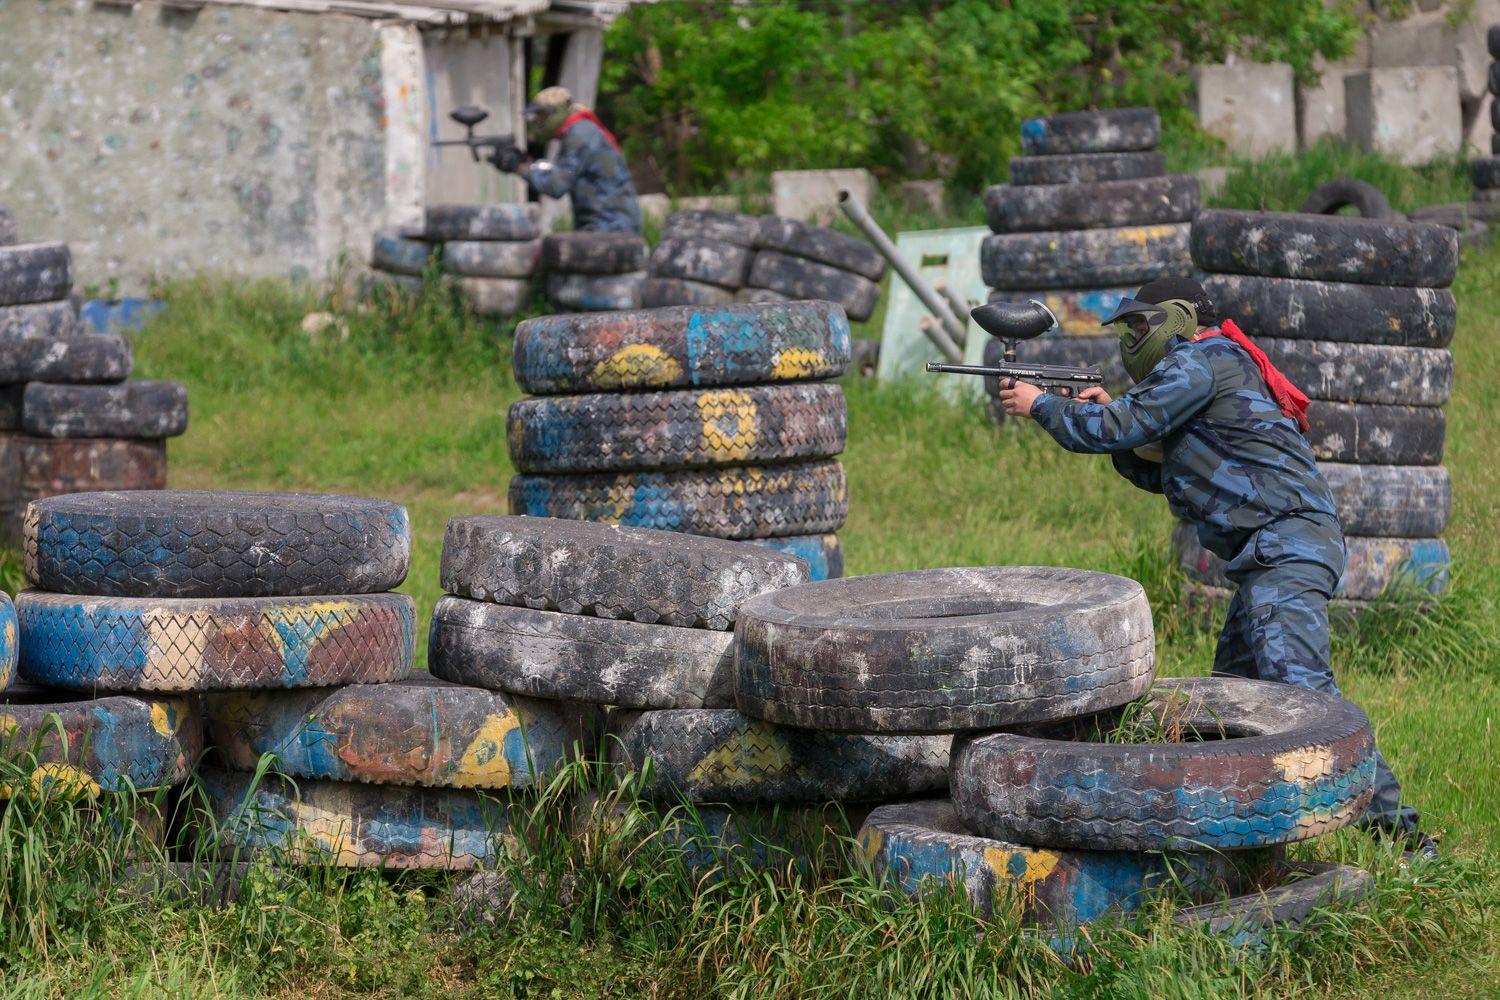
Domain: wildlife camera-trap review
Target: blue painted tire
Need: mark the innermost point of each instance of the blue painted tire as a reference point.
(10, 641)
(824, 553)
(594, 292)
(397, 254)
(510, 221)
(1117, 130)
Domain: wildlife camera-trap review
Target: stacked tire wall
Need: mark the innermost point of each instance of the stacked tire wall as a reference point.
(491, 252)
(1356, 313)
(594, 272)
(703, 259)
(797, 260)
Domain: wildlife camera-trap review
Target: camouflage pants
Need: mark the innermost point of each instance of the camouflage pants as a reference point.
(1277, 627)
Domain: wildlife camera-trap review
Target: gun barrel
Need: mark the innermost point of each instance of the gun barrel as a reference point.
(1024, 373)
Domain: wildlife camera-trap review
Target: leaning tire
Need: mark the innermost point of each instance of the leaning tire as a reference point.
(1121, 130)
(1376, 435)
(594, 253)
(658, 292)
(482, 222)
(708, 261)
(177, 543)
(711, 224)
(1308, 769)
(1364, 373)
(826, 246)
(1083, 258)
(35, 272)
(492, 259)
(1325, 248)
(1334, 310)
(1348, 192)
(40, 319)
(1294, 903)
(1086, 168)
(149, 410)
(595, 292)
(96, 358)
(1403, 501)
(824, 554)
(944, 650)
(631, 574)
(799, 278)
(1080, 312)
(1149, 201)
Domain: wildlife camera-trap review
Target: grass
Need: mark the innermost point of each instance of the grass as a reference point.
(412, 406)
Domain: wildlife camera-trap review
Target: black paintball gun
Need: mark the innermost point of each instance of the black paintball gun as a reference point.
(1012, 323)
(505, 154)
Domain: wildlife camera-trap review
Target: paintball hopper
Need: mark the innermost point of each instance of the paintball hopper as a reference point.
(469, 116)
(1014, 321)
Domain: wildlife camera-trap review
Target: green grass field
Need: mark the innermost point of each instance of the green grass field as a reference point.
(411, 406)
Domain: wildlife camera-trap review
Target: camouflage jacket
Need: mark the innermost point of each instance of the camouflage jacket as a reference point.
(1232, 462)
(591, 169)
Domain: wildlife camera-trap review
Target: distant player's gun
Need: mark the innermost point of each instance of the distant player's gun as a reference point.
(1012, 323)
(504, 151)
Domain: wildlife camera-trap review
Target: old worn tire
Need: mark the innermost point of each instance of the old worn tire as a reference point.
(658, 292)
(1334, 310)
(40, 319)
(511, 222)
(1325, 248)
(740, 502)
(1364, 373)
(1085, 258)
(909, 842)
(544, 654)
(496, 297)
(418, 731)
(1309, 888)
(1376, 435)
(45, 467)
(711, 224)
(826, 246)
(682, 346)
(10, 639)
(1121, 130)
(399, 254)
(149, 410)
(352, 825)
(800, 278)
(944, 650)
(594, 253)
(1149, 201)
(1404, 501)
(1484, 172)
(1367, 200)
(1294, 763)
(721, 755)
(595, 292)
(492, 258)
(112, 744)
(209, 644)
(35, 272)
(712, 262)
(824, 554)
(181, 543)
(676, 429)
(103, 357)
(1471, 220)
(1080, 312)
(633, 574)
(1086, 168)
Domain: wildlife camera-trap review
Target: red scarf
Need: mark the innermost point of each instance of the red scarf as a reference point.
(585, 115)
(1291, 399)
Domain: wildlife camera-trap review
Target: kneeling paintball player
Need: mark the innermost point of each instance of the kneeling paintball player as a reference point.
(1233, 460)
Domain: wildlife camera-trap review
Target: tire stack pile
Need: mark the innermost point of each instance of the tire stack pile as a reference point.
(594, 272)
(797, 260)
(69, 420)
(709, 420)
(492, 252)
(703, 259)
(1089, 214)
(1356, 312)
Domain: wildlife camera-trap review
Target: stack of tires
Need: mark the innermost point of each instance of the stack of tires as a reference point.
(797, 260)
(491, 252)
(1089, 214)
(712, 420)
(69, 420)
(703, 259)
(594, 272)
(1356, 312)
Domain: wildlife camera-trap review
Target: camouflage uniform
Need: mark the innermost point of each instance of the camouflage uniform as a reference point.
(1242, 472)
(591, 169)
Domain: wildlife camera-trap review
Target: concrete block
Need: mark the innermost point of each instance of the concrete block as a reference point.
(1428, 39)
(1320, 110)
(1410, 113)
(654, 206)
(813, 195)
(925, 196)
(1478, 127)
(1251, 106)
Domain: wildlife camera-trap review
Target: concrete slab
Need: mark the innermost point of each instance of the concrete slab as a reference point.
(1478, 127)
(813, 195)
(1251, 106)
(1320, 109)
(1410, 113)
(1428, 38)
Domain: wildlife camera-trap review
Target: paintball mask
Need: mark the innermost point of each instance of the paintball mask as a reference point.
(546, 114)
(1145, 329)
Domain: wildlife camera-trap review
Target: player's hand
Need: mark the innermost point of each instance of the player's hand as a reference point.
(1017, 399)
(1094, 394)
(508, 159)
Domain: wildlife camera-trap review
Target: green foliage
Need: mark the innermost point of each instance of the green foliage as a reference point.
(1281, 182)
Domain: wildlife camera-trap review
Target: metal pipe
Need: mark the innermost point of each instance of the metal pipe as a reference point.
(956, 303)
(948, 332)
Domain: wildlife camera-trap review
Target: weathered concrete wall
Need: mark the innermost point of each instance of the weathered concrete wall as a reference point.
(159, 142)
(1251, 106)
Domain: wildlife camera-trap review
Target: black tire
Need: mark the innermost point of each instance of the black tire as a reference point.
(824, 554)
(178, 543)
(1492, 38)
(1074, 351)
(1495, 145)
(1348, 192)
(103, 357)
(800, 278)
(1494, 124)
(397, 254)
(1465, 218)
(214, 644)
(1404, 501)
(1325, 248)
(826, 246)
(595, 292)
(543, 654)
(1294, 903)
(632, 574)
(1086, 168)
(492, 258)
(1080, 312)
(1121, 130)
(658, 292)
(1335, 311)
(40, 319)
(148, 410)
(720, 755)
(496, 296)
(1088, 258)
(1294, 763)
(677, 429)
(763, 501)
(1364, 373)
(594, 253)
(712, 262)
(35, 272)
(711, 224)
(482, 222)
(1148, 201)
(119, 743)
(760, 295)
(419, 731)
(1484, 172)
(681, 347)
(944, 650)
(1376, 435)
(1495, 79)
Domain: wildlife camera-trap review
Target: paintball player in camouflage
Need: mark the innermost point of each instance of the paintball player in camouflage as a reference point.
(589, 166)
(1215, 427)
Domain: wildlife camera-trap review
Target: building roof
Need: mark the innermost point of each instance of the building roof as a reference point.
(440, 12)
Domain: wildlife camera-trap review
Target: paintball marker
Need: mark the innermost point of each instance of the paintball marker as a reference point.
(505, 150)
(1013, 323)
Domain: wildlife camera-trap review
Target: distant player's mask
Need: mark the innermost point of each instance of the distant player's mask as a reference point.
(1146, 328)
(546, 114)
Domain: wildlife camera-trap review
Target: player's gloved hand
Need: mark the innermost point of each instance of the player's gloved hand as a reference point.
(507, 159)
